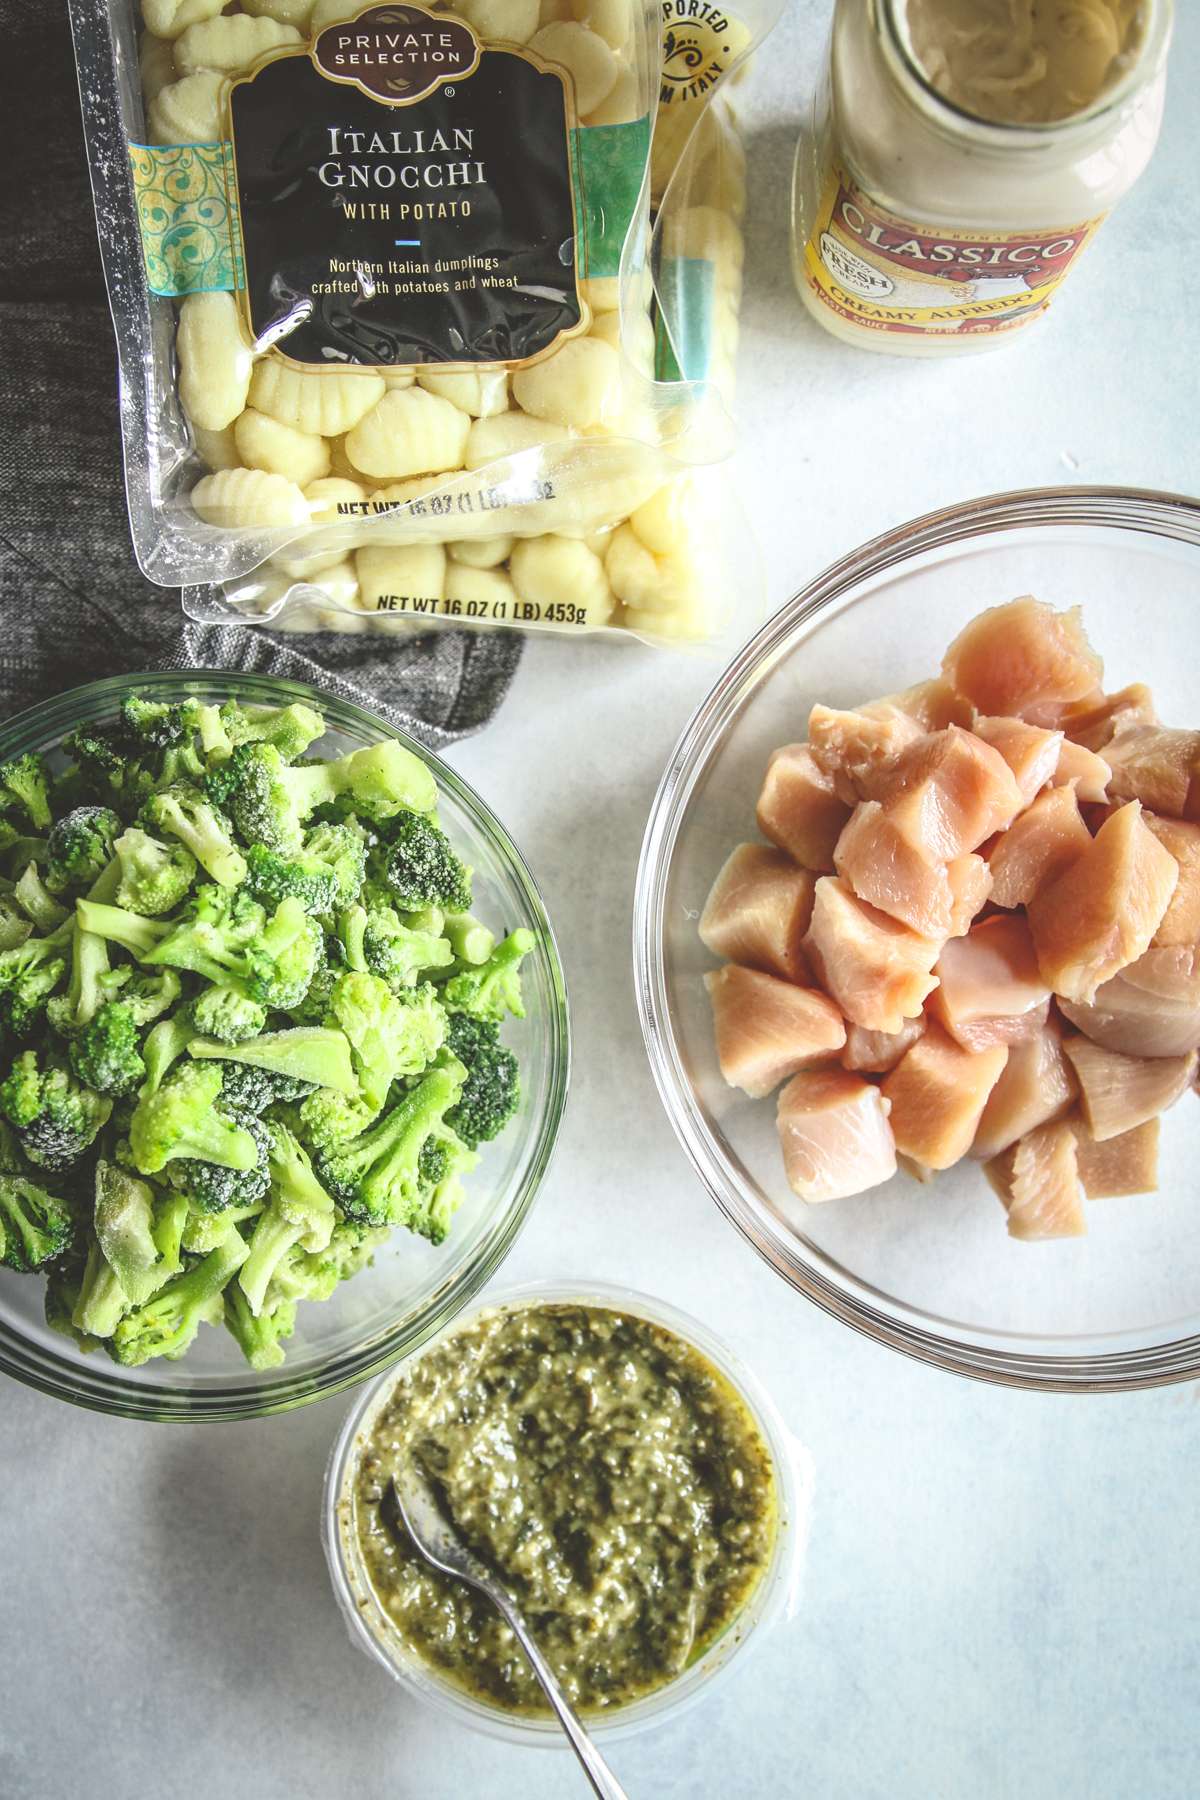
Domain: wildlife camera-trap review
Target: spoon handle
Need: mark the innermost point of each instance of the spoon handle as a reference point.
(603, 1781)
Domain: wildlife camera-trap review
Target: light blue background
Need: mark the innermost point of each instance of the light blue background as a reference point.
(1002, 1590)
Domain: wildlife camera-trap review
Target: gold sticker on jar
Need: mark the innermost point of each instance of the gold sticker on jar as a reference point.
(883, 272)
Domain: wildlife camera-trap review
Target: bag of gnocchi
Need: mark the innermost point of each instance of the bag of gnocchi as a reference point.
(382, 288)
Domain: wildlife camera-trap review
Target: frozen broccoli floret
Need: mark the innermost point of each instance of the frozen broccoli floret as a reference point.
(420, 867)
(245, 1089)
(36, 901)
(493, 988)
(35, 1226)
(314, 1274)
(90, 983)
(469, 939)
(15, 924)
(148, 996)
(80, 847)
(290, 729)
(184, 812)
(300, 1212)
(164, 1045)
(120, 926)
(138, 1228)
(29, 974)
(269, 801)
(445, 1159)
(327, 1118)
(231, 942)
(214, 1187)
(105, 771)
(101, 1301)
(25, 790)
(492, 1090)
(226, 1015)
(377, 939)
(157, 724)
(312, 1053)
(180, 1119)
(106, 1055)
(56, 1119)
(259, 1336)
(375, 1177)
(167, 1323)
(326, 873)
(390, 1036)
(154, 877)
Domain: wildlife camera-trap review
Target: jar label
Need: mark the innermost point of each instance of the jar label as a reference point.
(887, 273)
(407, 195)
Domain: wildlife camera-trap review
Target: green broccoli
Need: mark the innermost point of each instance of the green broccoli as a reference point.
(15, 924)
(258, 1336)
(164, 1045)
(420, 867)
(224, 1014)
(180, 1119)
(105, 773)
(139, 1230)
(291, 729)
(314, 1274)
(233, 945)
(212, 1187)
(80, 847)
(203, 1230)
(147, 996)
(106, 1055)
(56, 1119)
(37, 902)
(325, 874)
(326, 1118)
(269, 800)
(25, 790)
(444, 1161)
(101, 1302)
(120, 926)
(376, 938)
(91, 982)
(249, 1090)
(29, 974)
(375, 1177)
(154, 877)
(300, 1212)
(186, 813)
(167, 1323)
(35, 1227)
(493, 988)
(155, 724)
(492, 1090)
(390, 1037)
(469, 939)
(309, 1053)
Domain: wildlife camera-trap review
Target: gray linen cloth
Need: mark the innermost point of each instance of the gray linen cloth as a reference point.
(73, 604)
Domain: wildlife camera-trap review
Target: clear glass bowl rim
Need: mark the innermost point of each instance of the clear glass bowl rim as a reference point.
(1094, 1369)
(98, 1383)
(774, 1597)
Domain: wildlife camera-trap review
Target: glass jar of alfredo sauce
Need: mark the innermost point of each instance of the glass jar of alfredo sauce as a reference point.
(921, 228)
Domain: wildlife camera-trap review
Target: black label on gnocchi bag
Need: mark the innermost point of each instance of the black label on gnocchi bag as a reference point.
(436, 224)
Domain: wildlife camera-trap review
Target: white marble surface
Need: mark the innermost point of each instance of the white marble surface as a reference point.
(1003, 1591)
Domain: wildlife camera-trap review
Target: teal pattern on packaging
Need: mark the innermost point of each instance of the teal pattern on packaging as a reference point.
(188, 217)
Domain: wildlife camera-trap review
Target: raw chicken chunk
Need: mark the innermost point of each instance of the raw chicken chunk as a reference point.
(888, 871)
(1159, 767)
(859, 750)
(990, 990)
(834, 1134)
(952, 791)
(970, 888)
(1038, 1181)
(799, 809)
(1127, 1164)
(933, 704)
(758, 912)
(1118, 1092)
(1037, 1084)
(766, 1029)
(938, 1092)
(875, 1052)
(1030, 752)
(1181, 921)
(1152, 1008)
(877, 970)
(1026, 660)
(1037, 848)
(1103, 911)
(1083, 770)
(1094, 723)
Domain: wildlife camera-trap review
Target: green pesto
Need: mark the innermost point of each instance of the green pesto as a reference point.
(605, 1469)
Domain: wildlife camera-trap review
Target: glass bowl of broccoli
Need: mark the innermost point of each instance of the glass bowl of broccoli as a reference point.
(284, 1045)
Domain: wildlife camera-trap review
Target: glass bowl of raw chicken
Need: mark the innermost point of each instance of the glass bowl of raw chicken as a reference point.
(917, 939)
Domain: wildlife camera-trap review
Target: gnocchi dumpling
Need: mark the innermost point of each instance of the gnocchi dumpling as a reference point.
(284, 12)
(250, 499)
(579, 385)
(622, 104)
(559, 571)
(263, 443)
(610, 19)
(326, 402)
(167, 18)
(216, 449)
(507, 434)
(230, 43)
(216, 360)
(156, 65)
(324, 497)
(187, 111)
(585, 56)
(409, 432)
(647, 583)
(501, 21)
(396, 573)
(480, 553)
(482, 394)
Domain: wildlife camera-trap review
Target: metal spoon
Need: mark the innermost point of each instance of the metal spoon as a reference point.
(416, 1504)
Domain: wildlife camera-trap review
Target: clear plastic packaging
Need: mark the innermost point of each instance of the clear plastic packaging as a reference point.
(327, 422)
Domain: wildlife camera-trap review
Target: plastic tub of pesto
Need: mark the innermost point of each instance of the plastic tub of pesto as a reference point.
(765, 1575)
